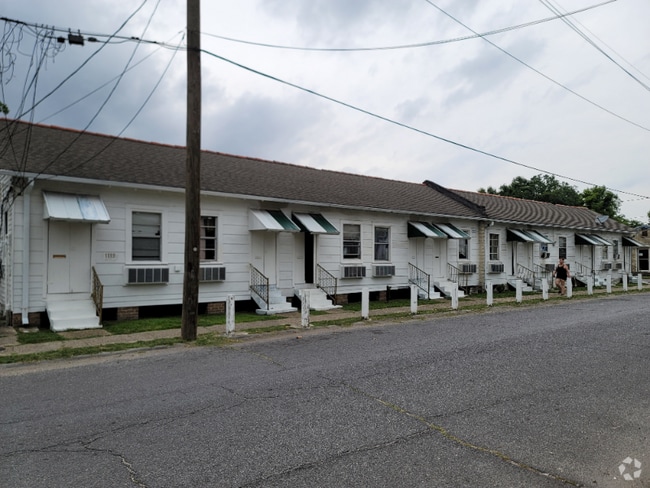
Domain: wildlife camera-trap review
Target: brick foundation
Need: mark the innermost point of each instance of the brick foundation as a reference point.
(128, 313)
(33, 318)
(341, 299)
(215, 308)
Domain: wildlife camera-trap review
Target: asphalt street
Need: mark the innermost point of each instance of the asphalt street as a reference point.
(546, 396)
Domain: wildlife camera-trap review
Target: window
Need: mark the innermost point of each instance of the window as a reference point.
(382, 244)
(561, 244)
(463, 248)
(145, 235)
(351, 241)
(208, 239)
(605, 253)
(494, 247)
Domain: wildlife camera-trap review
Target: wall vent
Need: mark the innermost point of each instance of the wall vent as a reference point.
(497, 268)
(353, 271)
(383, 270)
(212, 273)
(136, 276)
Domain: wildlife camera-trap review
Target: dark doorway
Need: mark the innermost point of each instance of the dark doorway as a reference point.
(309, 257)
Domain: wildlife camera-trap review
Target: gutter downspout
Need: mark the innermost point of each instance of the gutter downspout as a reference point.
(27, 208)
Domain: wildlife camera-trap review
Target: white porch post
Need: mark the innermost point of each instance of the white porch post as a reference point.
(624, 281)
(490, 293)
(569, 288)
(414, 299)
(230, 314)
(365, 304)
(544, 289)
(590, 285)
(454, 296)
(519, 291)
(304, 309)
(639, 282)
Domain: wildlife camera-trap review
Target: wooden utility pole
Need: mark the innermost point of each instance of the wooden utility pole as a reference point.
(192, 174)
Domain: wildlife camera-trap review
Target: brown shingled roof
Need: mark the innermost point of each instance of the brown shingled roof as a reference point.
(54, 151)
(520, 211)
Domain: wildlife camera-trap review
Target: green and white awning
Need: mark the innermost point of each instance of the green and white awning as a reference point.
(591, 240)
(452, 231)
(271, 220)
(521, 235)
(314, 223)
(425, 229)
(75, 208)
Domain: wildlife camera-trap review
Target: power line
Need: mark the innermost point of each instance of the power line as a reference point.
(406, 126)
(573, 27)
(407, 46)
(512, 56)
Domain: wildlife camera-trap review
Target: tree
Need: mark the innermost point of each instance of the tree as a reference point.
(543, 188)
(546, 188)
(601, 200)
(3, 108)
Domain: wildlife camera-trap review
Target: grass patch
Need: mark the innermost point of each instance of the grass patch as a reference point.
(42, 335)
(165, 323)
(270, 328)
(213, 339)
(67, 352)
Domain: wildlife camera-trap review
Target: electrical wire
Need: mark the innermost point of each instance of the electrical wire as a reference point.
(512, 56)
(573, 27)
(408, 46)
(409, 127)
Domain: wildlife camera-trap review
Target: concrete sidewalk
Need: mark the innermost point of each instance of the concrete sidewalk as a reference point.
(9, 344)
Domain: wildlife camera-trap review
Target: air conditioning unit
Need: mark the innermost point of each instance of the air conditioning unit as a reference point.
(383, 270)
(353, 271)
(468, 268)
(545, 255)
(137, 276)
(549, 267)
(619, 265)
(497, 268)
(606, 266)
(212, 273)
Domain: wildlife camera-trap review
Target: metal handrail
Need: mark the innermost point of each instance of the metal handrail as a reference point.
(582, 270)
(259, 285)
(454, 275)
(418, 277)
(527, 275)
(97, 294)
(327, 282)
(543, 273)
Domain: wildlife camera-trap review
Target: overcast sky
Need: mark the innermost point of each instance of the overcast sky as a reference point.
(572, 111)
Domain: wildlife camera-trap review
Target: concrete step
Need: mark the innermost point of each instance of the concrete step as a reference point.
(71, 312)
(317, 299)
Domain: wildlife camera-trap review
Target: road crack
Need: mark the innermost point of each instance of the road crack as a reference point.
(462, 442)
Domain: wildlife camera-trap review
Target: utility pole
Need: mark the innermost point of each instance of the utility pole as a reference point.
(192, 174)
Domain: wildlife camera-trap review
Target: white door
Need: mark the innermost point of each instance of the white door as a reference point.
(439, 257)
(68, 264)
(265, 254)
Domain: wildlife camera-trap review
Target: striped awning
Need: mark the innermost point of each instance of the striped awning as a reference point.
(271, 220)
(591, 240)
(452, 231)
(425, 229)
(629, 242)
(521, 235)
(75, 208)
(314, 223)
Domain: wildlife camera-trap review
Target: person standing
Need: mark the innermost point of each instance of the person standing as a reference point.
(561, 274)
